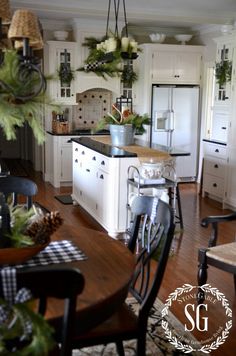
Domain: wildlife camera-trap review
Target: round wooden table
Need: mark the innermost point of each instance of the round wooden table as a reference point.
(107, 271)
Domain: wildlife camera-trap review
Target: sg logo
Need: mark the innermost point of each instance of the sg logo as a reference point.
(195, 318)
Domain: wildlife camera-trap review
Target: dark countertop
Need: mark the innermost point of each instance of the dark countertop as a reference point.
(79, 132)
(106, 150)
(111, 151)
(215, 141)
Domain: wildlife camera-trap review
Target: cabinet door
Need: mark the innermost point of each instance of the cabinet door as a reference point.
(102, 204)
(163, 66)
(231, 181)
(66, 163)
(176, 68)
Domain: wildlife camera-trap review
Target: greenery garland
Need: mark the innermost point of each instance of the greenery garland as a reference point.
(94, 62)
(14, 113)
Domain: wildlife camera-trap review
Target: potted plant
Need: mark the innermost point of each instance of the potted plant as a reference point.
(123, 125)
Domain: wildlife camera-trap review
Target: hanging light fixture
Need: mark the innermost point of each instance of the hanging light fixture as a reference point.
(24, 32)
(114, 48)
(128, 47)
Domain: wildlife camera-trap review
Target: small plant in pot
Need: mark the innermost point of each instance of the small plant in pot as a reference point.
(123, 125)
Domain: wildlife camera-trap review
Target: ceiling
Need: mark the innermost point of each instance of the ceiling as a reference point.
(189, 14)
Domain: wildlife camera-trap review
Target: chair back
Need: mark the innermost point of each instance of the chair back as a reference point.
(58, 282)
(153, 230)
(18, 186)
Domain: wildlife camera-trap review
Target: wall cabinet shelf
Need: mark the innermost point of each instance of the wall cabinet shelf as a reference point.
(57, 53)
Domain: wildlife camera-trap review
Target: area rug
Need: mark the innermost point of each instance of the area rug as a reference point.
(64, 199)
(157, 343)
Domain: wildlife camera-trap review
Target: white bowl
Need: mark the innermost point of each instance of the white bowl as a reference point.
(151, 170)
(60, 35)
(157, 37)
(183, 38)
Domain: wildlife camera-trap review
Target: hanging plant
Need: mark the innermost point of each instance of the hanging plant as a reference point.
(15, 112)
(223, 71)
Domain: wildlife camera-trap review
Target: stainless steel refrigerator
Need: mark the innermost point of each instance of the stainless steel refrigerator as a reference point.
(175, 123)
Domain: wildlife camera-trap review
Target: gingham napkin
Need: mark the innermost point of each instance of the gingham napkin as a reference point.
(55, 252)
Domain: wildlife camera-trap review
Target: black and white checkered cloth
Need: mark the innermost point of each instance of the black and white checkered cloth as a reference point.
(55, 252)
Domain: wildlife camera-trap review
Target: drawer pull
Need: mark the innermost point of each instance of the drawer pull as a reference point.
(103, 163)
(69, 141)
(216, 166)
(87, 170)
(101, 176)
(223, 127)
(216, 150)
(215, 185)
(94, 158)
(83, 153)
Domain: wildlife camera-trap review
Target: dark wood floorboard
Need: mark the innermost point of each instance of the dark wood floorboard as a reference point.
(182, 266)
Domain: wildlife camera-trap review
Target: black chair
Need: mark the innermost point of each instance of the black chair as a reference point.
(220, 256)
(18, 186)
(153, 228)
(56, 282)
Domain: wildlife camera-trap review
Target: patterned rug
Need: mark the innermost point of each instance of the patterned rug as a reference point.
(157, 343)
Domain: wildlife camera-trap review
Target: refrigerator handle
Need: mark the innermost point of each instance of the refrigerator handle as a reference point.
(172, 120)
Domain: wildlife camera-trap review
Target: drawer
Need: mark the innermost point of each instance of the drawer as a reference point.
(215, 150)
(213, 185)
(214, 167)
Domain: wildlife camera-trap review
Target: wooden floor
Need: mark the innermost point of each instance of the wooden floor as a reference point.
(182, 266)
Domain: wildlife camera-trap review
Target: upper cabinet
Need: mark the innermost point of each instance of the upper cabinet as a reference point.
(59, 56)
(176, 67)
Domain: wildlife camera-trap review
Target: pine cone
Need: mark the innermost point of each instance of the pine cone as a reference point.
(41, 230)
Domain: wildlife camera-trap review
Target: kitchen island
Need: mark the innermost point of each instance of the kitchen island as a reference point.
(100, 173)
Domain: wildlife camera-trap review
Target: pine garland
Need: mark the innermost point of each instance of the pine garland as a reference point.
(15, 113)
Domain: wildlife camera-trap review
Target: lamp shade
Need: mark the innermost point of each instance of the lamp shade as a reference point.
(24, 24)
(5, 13)
(33, 44)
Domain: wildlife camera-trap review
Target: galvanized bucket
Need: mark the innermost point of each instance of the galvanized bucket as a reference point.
(122, 135)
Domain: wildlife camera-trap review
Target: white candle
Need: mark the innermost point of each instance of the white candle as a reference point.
(111, 44)
(124, 44)
(134, 46)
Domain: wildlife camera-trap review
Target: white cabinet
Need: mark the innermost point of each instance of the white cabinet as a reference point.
(174, 67)
(214, 171)
(100, 186)
(58, 160)
(57, 54)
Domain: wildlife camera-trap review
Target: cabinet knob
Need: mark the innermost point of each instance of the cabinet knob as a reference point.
(223, 128)
(69, 141)
(103, 163)
(215, 185)
(83, 153)
(216, 150)
(76, 149)
(101, 176)
(94, 158)
(76, 161)
(216, 166)
(87, 170)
